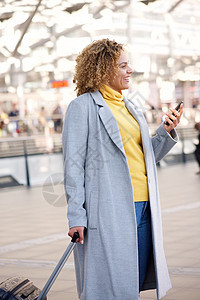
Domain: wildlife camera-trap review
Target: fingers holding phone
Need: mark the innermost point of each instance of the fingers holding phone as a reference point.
(173, 117)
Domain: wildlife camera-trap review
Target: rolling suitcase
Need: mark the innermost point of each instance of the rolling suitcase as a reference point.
(18, 288)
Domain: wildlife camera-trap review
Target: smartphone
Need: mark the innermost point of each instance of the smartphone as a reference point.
(176, 108)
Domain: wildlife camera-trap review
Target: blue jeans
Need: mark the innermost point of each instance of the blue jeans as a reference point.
(143, 217)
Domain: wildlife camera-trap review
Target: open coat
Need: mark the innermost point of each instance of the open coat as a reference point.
(100, 197)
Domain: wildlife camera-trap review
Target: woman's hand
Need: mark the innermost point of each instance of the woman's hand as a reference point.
(80, 230)
(175, 119)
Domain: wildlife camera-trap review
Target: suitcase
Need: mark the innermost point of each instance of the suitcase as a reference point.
(18, 288)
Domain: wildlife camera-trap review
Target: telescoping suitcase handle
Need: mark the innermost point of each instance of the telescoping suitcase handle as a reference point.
(59, 267)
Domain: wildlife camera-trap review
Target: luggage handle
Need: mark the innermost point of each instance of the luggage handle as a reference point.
(58, 267)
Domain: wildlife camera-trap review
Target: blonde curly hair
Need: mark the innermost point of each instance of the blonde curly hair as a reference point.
(95, 64)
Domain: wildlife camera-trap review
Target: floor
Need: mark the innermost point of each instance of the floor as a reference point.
(33, 234)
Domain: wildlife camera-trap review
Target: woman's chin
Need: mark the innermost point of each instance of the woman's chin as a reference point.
(125, 87)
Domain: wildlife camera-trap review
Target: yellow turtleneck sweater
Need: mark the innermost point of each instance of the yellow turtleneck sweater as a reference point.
(132, 142)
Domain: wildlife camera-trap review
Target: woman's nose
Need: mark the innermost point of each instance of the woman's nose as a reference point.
(130, 70)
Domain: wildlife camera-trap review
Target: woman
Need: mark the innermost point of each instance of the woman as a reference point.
(110, 181)
(197, 150)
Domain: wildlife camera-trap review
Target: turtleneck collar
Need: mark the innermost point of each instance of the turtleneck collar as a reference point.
(110, 94)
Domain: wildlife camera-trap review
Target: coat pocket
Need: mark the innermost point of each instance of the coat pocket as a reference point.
(93, 210)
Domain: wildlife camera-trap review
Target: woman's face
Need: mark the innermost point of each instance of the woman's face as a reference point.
(121, 81)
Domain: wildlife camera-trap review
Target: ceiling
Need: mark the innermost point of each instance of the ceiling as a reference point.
(41, 38)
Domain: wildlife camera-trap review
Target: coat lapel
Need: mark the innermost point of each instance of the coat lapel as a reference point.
(138, 115)
(133, 110)
(108, 120)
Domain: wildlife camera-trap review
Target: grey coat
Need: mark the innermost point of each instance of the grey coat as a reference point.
(100, 197)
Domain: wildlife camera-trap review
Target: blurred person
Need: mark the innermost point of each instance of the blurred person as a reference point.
(3, 115)
(3, 123)
(111, 182)
(15, 123)
(197, 151)
(195, 103)
(1, 127)
(42, 119)
(14, 111)
(57, 117)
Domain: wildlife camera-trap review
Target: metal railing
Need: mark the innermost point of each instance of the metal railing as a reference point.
(186, 133)
(28, 146)
(41, 144)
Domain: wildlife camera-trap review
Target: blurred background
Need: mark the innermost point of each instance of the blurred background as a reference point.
(39, 41)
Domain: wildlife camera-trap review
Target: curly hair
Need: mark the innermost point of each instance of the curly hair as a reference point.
(95, 64)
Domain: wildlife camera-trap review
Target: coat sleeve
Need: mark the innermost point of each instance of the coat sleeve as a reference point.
(162, 142)
(74, 138)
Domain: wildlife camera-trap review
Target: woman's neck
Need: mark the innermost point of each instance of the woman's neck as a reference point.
(111, 94)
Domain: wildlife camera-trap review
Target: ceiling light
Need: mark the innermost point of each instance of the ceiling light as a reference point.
(170, 62)
(24, 50)
(5, 52)
(47, 67)
(4, 66)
